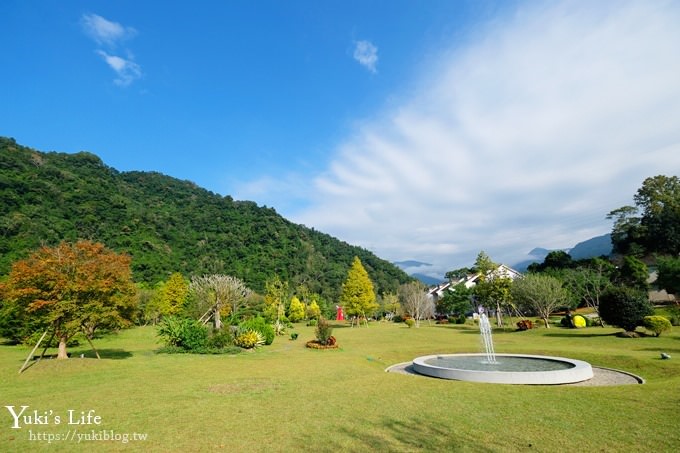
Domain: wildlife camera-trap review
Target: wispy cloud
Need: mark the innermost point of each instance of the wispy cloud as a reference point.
(126, 69)
(525, 137)
(110, 35)
(366, 54)
(105, 32)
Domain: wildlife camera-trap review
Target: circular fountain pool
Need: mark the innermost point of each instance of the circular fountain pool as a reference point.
(507, 368)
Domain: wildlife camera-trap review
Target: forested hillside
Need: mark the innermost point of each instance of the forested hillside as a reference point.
(165, 224)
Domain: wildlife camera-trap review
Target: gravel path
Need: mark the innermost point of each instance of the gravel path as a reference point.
(601, 376)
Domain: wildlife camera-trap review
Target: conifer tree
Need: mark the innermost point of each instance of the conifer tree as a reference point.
(358, 297)
(296, 311)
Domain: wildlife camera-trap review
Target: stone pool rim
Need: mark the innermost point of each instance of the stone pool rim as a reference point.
(578, 372)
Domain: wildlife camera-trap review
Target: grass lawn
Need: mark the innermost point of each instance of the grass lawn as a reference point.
(287, 398)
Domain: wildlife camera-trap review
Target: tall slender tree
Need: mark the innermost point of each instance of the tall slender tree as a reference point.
(358, 297)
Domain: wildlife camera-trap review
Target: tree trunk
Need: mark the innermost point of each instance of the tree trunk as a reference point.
(62, 348)
(218, 321)
(546, 322)
(499, 316)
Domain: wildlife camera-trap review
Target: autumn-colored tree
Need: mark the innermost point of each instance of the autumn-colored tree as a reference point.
(73, 288)
(296, 310)
(358, 297)
(221, 294)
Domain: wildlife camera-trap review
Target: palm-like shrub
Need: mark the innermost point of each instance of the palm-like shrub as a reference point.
(185, 333)
(249, 339)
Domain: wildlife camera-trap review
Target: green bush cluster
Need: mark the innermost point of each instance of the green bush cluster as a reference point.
(184, 333)
(656, 324)
(260, 325)
(410, 322)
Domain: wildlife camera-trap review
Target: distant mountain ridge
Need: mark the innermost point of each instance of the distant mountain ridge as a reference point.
(590, 248)
(165, 224)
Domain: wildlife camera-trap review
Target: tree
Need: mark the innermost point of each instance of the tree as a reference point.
(541, 294)
(219, 292)
(173, 294)
(296, 310)
(313, 311)
(73, 288)
(415, 302)
(389, 304)
(357, 297)
(457, 300)
(491, 290)
(659, 200)
(625, 307)
(668, 278)
(653, 224)
(275, 299)
(633, 273)
(588, 284)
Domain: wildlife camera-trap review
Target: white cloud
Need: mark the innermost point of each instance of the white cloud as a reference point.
(126, 69)
(105, 32)
(366, 54)
(527, 136)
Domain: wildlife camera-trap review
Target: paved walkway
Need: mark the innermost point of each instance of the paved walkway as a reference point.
(601, 376)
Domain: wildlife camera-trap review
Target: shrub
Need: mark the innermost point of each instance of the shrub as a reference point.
(294, 336)
(656, 324)
(323, 331)
(525, 324)
(578, 321)
(184, 333)
(312, 322)
(410, 322)
(259, 325)
(566, 321)
(625, 307)
(221, 339)
(249, 339)
(398, 318)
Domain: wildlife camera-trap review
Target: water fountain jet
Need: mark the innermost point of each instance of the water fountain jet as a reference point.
(502, 368)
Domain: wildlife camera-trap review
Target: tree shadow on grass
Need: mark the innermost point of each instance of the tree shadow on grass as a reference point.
(105, 354)
(414, 434)
(580, 335)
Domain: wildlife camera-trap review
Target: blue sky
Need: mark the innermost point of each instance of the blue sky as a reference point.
(419, 130)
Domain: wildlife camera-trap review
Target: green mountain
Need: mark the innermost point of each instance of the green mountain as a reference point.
(165, 224)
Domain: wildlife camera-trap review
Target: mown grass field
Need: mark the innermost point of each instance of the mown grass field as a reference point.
(286, 398)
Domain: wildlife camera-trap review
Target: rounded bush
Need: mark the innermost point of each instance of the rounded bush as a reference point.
(579, 321)
(656, 324)
(625, 307)
(260, 325)
(410, 322)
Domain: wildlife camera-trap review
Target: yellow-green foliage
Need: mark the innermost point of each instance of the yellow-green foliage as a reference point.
(578, 321)
(313, 310)
(296, 311)
(358, 296)
(249, 339)
(656, 324)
